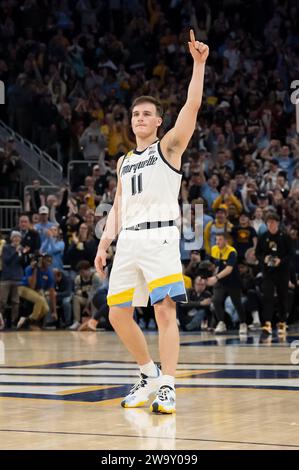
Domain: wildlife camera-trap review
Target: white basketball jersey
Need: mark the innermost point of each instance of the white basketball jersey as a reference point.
(150, 187)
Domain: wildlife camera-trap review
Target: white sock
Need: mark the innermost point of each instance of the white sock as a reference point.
(255, 316)
(149, 369)
(167, 380)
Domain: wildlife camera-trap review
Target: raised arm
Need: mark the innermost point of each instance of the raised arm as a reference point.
(174, 143)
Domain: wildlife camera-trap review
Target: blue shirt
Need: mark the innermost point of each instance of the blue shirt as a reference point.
(262, 229)
(206, 219)
(209, 194)
(55, 248)
(42, 229)
(44, 279)
(287, 165)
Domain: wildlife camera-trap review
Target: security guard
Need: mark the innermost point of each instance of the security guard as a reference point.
(274, 250)
(226, 282)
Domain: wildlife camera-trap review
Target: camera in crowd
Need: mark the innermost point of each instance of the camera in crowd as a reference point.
(272, 258)
(37, 259)
(205, 269)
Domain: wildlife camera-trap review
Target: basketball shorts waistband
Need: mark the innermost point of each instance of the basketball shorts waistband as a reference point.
(150, 225)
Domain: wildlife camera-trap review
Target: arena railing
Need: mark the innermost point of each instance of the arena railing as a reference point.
(39, 161)
(10, 209)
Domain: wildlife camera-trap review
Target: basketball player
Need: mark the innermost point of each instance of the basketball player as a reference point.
(147, 259)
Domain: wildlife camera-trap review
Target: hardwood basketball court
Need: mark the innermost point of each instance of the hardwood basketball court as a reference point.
(62, 390)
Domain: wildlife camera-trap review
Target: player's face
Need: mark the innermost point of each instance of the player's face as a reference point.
(145, 120)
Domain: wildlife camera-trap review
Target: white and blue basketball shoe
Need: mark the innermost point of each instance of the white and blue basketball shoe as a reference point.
(164, 401)
(141, 391)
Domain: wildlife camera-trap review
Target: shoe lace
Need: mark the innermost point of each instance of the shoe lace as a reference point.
(163, 393)
(141, 383)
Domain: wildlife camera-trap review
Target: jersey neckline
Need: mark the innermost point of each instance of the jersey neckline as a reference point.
(139, 152)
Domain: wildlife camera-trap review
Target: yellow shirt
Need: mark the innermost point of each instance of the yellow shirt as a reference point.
(187, 281)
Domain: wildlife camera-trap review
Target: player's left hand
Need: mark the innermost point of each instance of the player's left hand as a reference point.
(198, 50)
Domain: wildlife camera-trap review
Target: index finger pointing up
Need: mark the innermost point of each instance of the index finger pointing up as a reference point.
(192, 37)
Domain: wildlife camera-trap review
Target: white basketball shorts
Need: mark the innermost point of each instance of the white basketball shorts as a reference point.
(146, 264)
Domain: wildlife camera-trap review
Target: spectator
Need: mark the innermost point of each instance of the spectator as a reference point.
(227, 198)
(295, 181)
(37, 286)
(53, 246)
(193, 265)
(258, 223)
(86, 285)
(12, 273)
(109, 193)
(44, 224)
(209, 191)
(251, 298)
(100, 176)
(213, 228)
(2, 243)
(15, 167)
(226, 282)
(274, 251)
(206, 217)
(70, 225)
(4, 174)
(100, 316)
(30, 239)
(197, 310)
(93, 143)
(270, 176)
(83, 247)
(90, 221)
(195, 189)
(244, 236)
(282, 184)
(288, 160)
(63, 289)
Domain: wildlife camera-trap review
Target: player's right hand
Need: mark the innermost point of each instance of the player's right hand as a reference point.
(100, 262)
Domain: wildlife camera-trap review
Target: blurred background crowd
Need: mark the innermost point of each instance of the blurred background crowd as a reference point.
(71, 70)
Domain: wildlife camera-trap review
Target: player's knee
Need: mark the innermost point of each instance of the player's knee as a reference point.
(117, 315)
(114, 316)
(165, 315)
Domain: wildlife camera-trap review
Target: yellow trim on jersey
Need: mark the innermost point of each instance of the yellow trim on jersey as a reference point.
(163, 281)
(222, 254)
(121, 298)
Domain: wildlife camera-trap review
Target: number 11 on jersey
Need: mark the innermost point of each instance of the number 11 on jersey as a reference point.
(136, 182)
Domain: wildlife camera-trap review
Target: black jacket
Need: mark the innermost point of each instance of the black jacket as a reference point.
(194, 300)
(31, 239)
(279, 245)
(63, 287)
(87, 252)
(11, 264)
